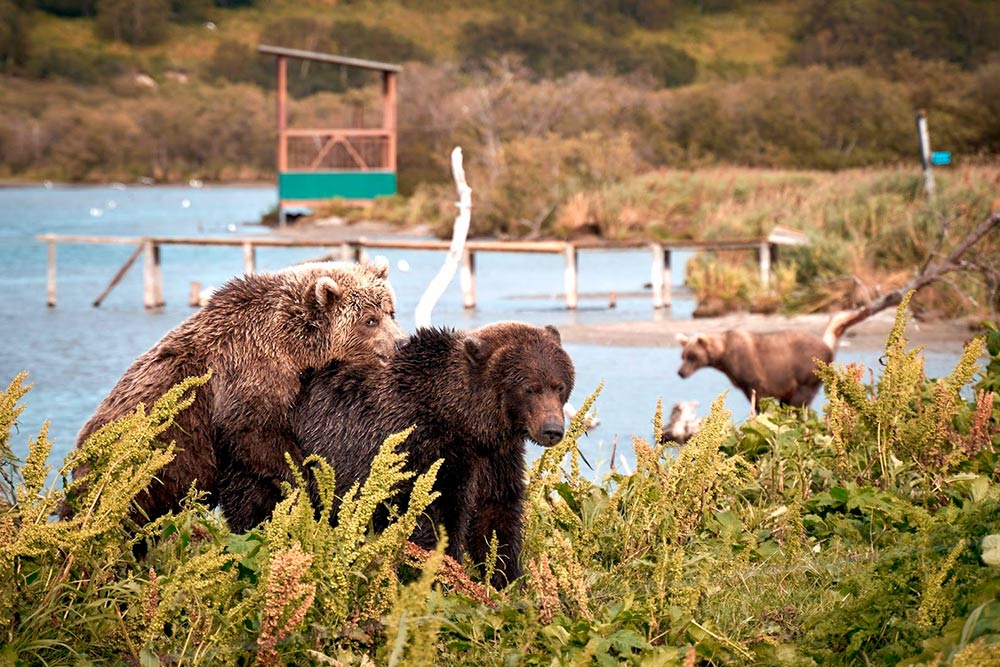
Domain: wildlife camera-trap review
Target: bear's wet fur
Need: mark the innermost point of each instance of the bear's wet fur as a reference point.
(256, 334)
(474, 398)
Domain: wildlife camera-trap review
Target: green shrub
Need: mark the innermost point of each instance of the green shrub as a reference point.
(136, 22)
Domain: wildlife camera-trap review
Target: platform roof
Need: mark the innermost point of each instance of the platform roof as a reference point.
(328, 58)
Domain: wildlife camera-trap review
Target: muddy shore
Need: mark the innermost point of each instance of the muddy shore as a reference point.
(870, 334)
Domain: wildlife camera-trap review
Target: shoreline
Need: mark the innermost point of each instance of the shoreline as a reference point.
(660, 331)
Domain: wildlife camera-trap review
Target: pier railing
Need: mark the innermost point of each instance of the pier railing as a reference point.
(148, 247)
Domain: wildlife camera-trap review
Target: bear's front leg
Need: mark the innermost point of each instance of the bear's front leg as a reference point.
(499, 509)
(252, 466)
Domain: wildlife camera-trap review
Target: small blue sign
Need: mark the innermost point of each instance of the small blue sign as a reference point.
(941, 157)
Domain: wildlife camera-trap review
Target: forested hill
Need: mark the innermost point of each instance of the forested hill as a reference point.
(100, 89)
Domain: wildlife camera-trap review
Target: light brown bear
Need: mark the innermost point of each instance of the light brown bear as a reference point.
(256, 334)
(778, 364)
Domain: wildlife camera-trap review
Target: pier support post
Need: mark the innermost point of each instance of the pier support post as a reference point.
(194, 294)
(249, 258)
(467, 280)
(152, 275)
(50, 288)
(570, 276)
(765, 264)
(660, 276)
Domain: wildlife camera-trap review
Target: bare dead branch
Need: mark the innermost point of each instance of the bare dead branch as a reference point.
(928, 274)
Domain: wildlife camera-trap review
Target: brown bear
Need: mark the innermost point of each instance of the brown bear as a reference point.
(256, 334)
(474, 397)
(778, 364)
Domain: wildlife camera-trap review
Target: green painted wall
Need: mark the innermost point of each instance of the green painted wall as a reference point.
(327, 184)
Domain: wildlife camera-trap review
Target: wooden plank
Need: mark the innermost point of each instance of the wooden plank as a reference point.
(340, 131)
(301, 54)
(50, 275)
(119, 275)
(467, 279)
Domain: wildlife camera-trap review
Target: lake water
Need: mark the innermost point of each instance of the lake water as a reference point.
(75, 353)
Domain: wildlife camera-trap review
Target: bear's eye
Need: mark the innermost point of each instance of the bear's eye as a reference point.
(533, 389)
(559, 388)
(372, 321)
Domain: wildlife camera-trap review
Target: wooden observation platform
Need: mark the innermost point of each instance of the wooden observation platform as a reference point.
(315, 164)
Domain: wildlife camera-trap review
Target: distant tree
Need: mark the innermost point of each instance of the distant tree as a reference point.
(555, 49)
(190, 11)
(68, 7)
(137, 22)
(233, 4)
(239, 63)
(14, 44)
(78, 65)
(862, 32)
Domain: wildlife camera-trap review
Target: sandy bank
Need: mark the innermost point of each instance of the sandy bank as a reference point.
(870, 334)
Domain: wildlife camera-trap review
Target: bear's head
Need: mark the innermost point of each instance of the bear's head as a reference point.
(350, 307)
(698, 351)
(530, 372)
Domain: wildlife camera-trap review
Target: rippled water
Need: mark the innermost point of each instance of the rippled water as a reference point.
(75, 352)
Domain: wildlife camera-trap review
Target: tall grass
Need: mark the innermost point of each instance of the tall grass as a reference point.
(863, 536)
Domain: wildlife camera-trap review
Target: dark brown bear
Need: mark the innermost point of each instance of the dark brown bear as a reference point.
(778, 364)
(474, 398)
(256, 334)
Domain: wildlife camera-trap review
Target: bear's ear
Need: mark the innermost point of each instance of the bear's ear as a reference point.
(327, 291)
(554, 332)
(474, 352)
(379, 267)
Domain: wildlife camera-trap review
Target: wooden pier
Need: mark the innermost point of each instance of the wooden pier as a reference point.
(148, 247)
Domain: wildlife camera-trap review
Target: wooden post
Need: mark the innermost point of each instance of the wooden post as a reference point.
(152, 276)
(194, 294)
(570, 276)
(389, 117)
(51, 275)
(281, 93)
(467, 280)
(924, 140)
(668, 280)
(346, 252)
(118, 276)
(660, 276)
(249, 258)
(765, 264)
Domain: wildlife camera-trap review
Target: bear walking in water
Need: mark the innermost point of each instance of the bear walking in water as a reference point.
(256, 335)
(778, 364)
(474, 398)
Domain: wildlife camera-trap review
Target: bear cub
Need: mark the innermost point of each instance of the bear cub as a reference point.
(257, 334)
(474, 398)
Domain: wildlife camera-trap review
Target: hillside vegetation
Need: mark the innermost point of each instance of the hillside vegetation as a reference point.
(650, 119)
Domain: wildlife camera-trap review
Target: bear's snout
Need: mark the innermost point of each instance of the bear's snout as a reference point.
(684, 373)
(551, 432)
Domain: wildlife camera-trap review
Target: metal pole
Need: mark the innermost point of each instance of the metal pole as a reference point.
(282, 93)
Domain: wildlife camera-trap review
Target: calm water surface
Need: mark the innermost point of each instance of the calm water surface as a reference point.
(75, 353)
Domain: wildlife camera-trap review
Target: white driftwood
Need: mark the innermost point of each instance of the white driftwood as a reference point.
(459, 234)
